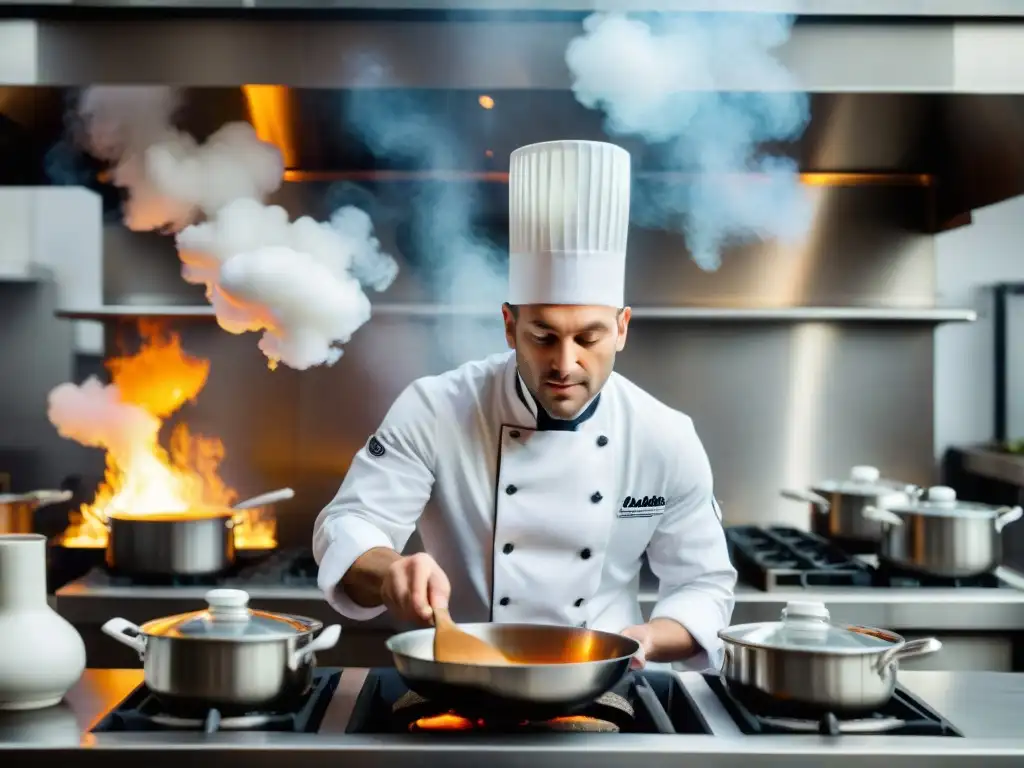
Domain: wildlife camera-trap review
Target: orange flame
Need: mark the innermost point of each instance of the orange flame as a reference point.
(160, 378)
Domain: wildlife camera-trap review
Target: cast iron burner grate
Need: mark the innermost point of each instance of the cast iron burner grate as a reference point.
(141, 711)
(904, 715)
(386, 706)
(777, 557)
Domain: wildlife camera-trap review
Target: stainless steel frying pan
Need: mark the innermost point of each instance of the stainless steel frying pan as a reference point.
(557, 669)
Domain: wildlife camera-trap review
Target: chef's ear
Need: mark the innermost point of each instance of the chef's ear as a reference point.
(623, 326)
(510, 314)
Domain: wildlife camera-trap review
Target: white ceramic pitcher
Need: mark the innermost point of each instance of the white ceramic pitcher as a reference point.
(41, 655)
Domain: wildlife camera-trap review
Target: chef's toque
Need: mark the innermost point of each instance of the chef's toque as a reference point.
(568, 211)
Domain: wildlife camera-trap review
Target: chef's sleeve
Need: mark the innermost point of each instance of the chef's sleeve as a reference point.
(689, 555)
(381, 498)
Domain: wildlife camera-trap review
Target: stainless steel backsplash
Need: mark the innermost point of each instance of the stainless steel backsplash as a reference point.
(775, 403)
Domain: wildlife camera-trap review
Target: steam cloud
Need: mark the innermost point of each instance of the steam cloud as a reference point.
(667, 81)
(94, 415)
(301, 282)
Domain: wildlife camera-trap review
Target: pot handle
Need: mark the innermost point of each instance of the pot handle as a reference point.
(869, 512)
(909, 650)
(45, 498)
(323, 642)
(807, 497)
(117, 629)
(1008, 515)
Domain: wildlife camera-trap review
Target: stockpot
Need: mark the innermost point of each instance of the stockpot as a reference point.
(199, 542)
(837, 506)
(17, 510)
(941, 535)
(804, 662)
(227, 657)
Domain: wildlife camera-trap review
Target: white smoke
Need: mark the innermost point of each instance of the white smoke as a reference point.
(683, 83)
(299, 282)
(171, 179)
(94, 415)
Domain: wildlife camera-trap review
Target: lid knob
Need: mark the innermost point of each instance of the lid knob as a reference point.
(865, 474)
(228, 604)
(941, 494)
(803, 611)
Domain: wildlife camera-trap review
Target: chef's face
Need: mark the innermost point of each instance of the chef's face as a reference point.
(565, 353)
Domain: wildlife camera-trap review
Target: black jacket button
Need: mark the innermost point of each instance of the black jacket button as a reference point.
(510, 489)
(507, 549)
(585, 554)
(579, 602)
(504, 601)
(514, 434)
(596, 497)
(602, 441)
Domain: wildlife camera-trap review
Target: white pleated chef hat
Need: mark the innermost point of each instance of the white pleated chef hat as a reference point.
(568, 208)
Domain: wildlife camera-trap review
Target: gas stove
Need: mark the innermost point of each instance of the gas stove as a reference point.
(778, 557)
(278, 568)
(376, 702)
(648, 702)
(142, 711)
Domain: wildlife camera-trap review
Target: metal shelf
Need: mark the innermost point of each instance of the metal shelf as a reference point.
(682, 314)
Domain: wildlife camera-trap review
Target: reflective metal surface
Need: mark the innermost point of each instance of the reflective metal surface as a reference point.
(186, 546)
(555, 667)
(951, 545)
(17, 511)
(985, 707)
(766, 677)
(239, 674)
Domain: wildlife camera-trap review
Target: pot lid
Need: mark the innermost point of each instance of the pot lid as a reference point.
(942, 500)
(863, 481)
(806, 627)
(228, 617)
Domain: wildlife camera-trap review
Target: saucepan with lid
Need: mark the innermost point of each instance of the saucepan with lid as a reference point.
(804, 662)
(940, 535)
(228, 656)
(553, 670)
(837, 505)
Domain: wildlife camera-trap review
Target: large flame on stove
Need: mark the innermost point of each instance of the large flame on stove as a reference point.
(125, 419)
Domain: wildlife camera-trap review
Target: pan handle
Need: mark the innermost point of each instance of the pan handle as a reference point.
(323, 642)
(807, 497)
(118, 629)
(908, 650)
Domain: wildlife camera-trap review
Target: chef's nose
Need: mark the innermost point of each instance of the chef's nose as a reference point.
(565, 361)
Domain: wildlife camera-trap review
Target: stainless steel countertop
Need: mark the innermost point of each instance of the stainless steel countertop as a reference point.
(926, 609)
(984, 706)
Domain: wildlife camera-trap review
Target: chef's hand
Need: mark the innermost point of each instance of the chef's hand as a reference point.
(413, 584)
(643, 634)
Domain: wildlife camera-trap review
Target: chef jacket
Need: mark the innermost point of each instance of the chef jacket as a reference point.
(534, 519)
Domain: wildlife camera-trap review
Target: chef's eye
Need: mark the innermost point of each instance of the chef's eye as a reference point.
(587, 341)
(547, 339)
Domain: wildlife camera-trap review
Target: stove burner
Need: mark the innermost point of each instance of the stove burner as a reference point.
(903, 715)
(279, 568)
(386, 706)
(410, 706)
(777, 557)
(142, 711)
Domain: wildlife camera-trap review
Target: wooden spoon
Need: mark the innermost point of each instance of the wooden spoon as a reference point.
(453, 646)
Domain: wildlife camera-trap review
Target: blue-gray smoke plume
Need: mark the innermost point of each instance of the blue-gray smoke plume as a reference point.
(705, 91)
(434, 229)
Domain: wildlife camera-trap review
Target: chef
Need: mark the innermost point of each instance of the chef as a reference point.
(538, 478)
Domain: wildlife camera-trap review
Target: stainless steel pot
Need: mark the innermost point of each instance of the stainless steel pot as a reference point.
(804, 664)
(837, 505)
(193, 543)
(227, 657)
(941, 535)
(556, 670)
(17, 510)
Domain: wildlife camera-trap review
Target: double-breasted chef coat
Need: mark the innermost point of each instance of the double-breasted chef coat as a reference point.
(536, 521)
